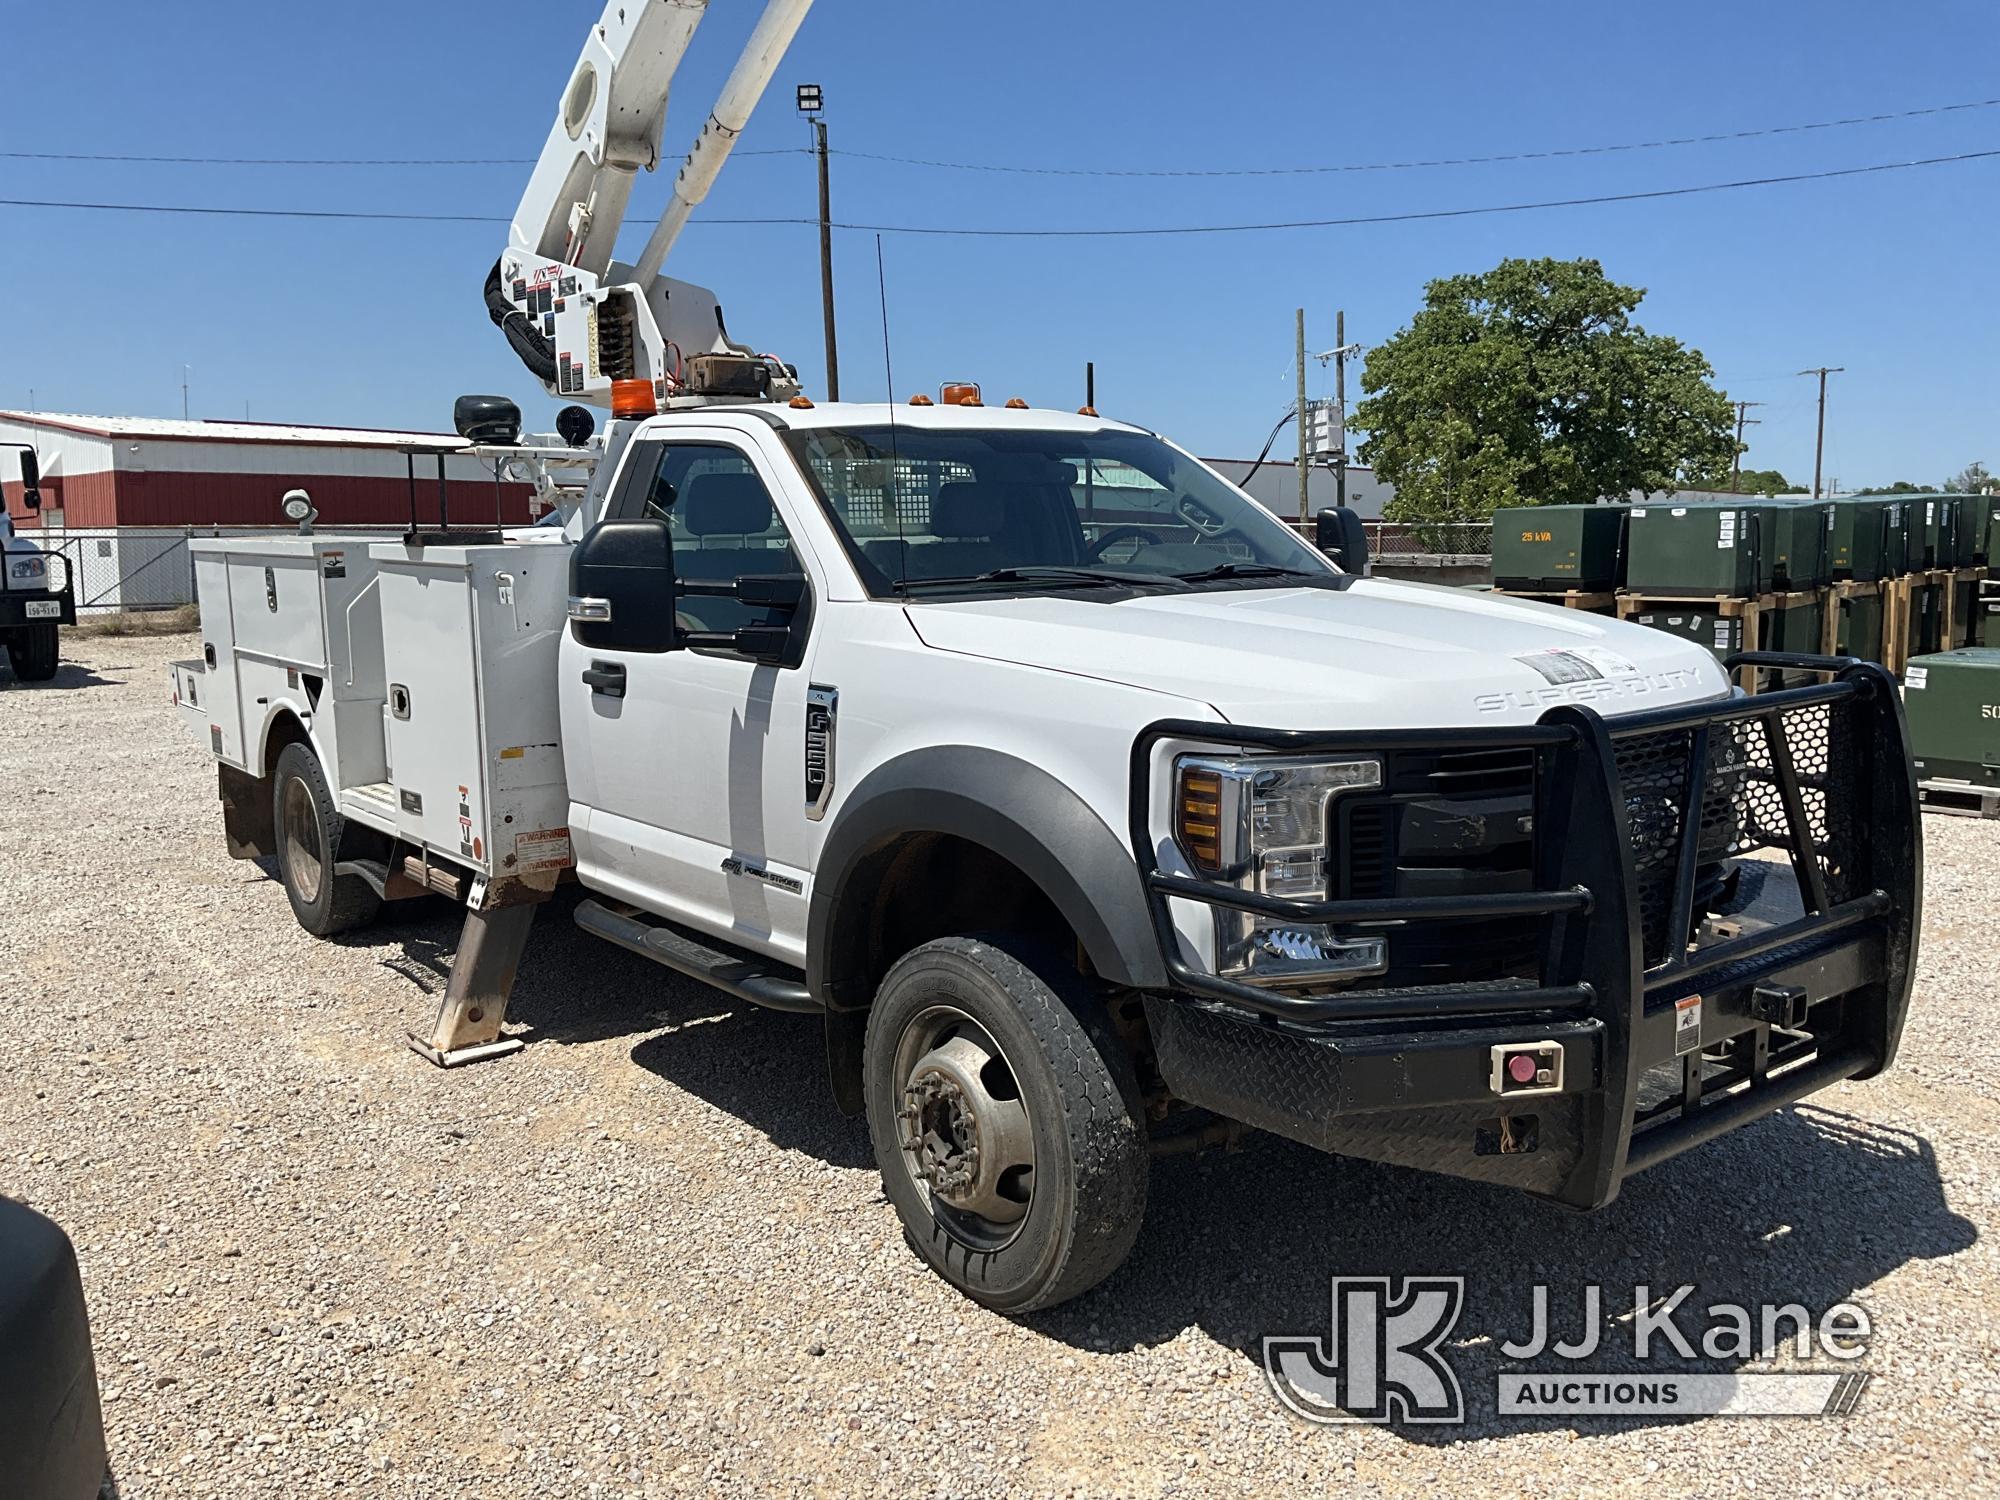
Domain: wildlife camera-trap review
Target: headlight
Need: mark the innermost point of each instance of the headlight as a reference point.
(1264, 823)
(28, 567)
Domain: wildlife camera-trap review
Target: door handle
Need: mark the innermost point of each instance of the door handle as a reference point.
(606, 677)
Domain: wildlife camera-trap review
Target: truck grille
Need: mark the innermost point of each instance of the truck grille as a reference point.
(1742, 809)
(1450, 822)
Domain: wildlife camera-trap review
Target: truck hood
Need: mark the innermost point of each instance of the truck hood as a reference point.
(1372, 654)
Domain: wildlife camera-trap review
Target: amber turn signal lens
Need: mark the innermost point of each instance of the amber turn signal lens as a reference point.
(1198, 819)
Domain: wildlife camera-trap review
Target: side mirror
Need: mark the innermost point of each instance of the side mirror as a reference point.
(1338, 533)
(621, 587)
(31, 480)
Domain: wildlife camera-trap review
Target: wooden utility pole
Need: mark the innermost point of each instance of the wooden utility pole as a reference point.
(1743, 420)
(1819, 443)
(1305, 504)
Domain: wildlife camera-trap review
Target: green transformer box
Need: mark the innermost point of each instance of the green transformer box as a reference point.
(1868, 541)
(1989, 533)
(1550, 548)
(1969, 514)
(1696, 549)
(1736, 551)
(1796, 536)
(1952, 701)
(1929, 524)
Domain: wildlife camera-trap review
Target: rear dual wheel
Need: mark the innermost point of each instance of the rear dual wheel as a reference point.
(311, 831)
(1006, 1121)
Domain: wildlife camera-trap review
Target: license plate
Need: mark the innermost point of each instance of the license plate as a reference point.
(44, 609)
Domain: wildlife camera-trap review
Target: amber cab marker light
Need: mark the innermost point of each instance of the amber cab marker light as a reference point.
(1198, 819)
(1015, 403)
(921, 400)
(1086, 411)
(959, 393)
(800, 403)
(633, 398)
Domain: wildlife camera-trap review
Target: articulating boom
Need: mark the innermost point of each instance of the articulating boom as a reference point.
(578, 319)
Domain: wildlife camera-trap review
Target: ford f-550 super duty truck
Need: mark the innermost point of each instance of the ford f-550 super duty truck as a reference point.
(1078, 796)
(1091, 810)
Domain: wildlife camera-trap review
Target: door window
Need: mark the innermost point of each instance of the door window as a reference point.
(723, 524)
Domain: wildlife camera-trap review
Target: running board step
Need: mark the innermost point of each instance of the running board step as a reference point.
(727, 969)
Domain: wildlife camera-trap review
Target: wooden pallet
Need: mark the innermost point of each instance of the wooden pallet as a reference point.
(1944, 581)
(1960, 798)
(1597, 602)
(1893, 649)
(1749, 610)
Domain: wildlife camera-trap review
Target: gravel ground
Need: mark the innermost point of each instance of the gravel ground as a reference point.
(647, 1256)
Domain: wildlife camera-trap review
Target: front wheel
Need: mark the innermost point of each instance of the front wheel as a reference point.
(1006, 1121)
(310, 832)
(34, 651)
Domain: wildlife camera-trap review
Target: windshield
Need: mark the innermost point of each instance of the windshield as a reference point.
(924, 511)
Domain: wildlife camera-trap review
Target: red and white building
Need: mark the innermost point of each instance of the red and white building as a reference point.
(152, 471)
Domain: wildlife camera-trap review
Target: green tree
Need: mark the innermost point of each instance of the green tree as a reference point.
(1759, 482)
(1970, 480)
(1900, 487)
(1531, 385)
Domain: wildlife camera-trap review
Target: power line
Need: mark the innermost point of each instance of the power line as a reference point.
(1016, 233)
(1551, 153)
(1448, 161)
(325, 161)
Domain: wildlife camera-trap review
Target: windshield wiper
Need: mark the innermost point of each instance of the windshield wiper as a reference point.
(1247, 570)
(1071, 577)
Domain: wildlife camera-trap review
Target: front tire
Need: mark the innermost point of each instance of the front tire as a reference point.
(310, 832)
(1006, 1121)
(34, 651)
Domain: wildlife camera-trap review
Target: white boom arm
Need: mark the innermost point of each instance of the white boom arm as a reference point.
(578, 319)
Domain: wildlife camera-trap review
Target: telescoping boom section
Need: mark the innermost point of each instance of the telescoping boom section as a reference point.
(580, 319)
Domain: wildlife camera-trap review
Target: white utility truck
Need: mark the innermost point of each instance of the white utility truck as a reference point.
(1094, 812)
(36, 597)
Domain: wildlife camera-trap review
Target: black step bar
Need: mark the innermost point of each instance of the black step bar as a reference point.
(729, 970)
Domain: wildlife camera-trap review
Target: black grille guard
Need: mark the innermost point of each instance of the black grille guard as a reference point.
(1822, 772)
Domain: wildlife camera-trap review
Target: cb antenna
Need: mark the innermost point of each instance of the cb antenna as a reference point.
(894, 481)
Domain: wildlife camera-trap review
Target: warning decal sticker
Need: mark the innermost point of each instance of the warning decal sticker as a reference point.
(544, 849)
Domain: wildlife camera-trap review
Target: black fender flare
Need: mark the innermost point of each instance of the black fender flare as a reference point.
(1004, 804)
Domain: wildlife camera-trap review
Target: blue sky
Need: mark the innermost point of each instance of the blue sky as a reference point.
(381, 324)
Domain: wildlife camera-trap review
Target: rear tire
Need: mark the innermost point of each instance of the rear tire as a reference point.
(310, 832)
(35, 651)
(1006, 1121)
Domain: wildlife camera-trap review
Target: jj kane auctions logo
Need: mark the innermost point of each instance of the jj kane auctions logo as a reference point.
(1383, 1358)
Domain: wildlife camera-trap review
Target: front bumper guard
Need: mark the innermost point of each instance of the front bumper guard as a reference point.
(1821, 774)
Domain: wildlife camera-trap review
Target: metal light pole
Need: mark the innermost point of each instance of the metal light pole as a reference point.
(811, 101)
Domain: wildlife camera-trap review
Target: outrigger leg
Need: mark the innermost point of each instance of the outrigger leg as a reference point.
(474, 1006)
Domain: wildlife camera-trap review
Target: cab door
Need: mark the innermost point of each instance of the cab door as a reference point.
(686, 760)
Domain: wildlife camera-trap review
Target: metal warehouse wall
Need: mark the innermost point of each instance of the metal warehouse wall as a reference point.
(138, 478)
